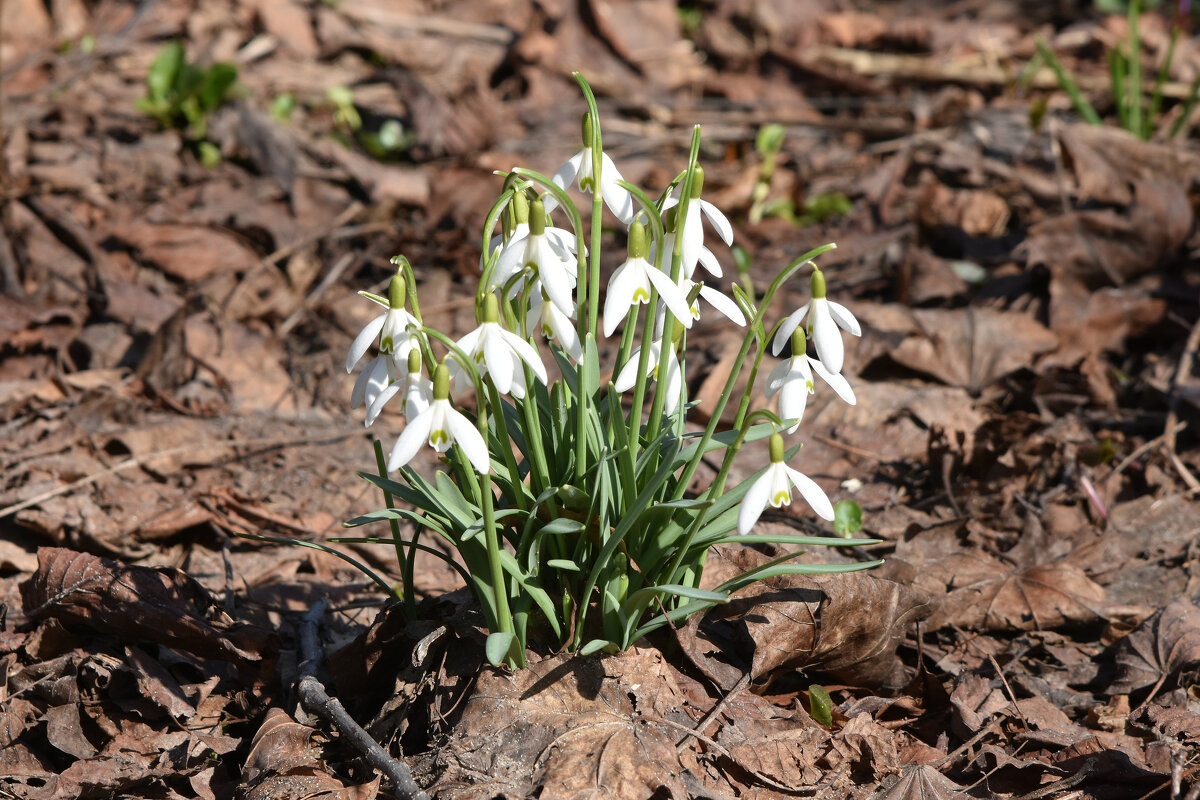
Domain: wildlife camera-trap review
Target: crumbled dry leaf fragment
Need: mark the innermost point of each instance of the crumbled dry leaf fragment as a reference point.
(1165, 644)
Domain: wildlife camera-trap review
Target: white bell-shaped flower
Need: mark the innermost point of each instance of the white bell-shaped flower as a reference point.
(441, 425)
(824, 317)
(774, 488)
(632, 282)
(792, 379)
(499, 353)
(579, 169)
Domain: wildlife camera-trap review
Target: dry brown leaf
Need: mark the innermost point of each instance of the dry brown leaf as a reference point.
(1039, 597)
(867, 747)
(563, 728)
(1165, 643)
(158, 605)
(846, 626)
(923, 782)
(188, 252)
(763, 738)
(971, 347)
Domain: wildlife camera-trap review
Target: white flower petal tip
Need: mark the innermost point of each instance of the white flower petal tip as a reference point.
(501, 354)
(773, 488)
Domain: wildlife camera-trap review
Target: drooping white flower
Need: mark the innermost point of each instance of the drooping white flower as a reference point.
(499, 353)
(633, 281)
(372, 382)
(554, 324)
(774, 488)
(792, 379)
(517, 217)
(418, 391)
(544, 253)
(391, 327)
(669, 380)
(578, 169)
(691, 229)
(824, 319)
(441, 425)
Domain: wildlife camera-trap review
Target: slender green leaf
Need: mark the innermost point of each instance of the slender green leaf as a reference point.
(498, 646)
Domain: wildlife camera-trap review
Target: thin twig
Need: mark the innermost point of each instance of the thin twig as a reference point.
(714, 711)
(1183, 374)
(317, 700)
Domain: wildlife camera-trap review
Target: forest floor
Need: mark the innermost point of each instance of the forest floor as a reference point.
(1026, 439)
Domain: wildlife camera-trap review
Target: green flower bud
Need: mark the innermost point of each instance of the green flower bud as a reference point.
(537, 218)
(441, 382)
(776, 448)
(491, 309)
(414, 361)
(818, 284)
(799, 342)
(585, 126)
(397, 291)
(637, 240)
(520, 206)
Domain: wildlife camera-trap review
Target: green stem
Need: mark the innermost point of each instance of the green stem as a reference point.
(410, 601)
(1135, 70)
(510, 461)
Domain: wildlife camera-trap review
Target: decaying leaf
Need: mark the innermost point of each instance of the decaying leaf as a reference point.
(923, 782)
(1039, 597)
(846, 626)
(1167, 642)
(164, 606)
(562, 728)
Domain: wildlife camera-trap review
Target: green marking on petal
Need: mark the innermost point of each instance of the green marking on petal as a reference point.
(809, 384)
(640, 295)
(781, 498)
(439, 437)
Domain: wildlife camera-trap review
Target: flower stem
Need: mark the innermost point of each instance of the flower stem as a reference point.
(410, 602)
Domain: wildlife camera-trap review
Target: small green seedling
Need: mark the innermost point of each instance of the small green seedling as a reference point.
(179, 93)
(820, 705)
(847, 518)
(1137, 112)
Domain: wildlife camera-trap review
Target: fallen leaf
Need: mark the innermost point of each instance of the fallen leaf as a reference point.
(1035, 598)
(923, 782)
(561, 727)
(846, 626)
(164, 605)
(187, 252)
(1167, 642)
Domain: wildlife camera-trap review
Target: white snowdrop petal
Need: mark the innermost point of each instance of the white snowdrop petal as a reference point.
(376, 407)
(842, 316)
(671, 295)
(784, 334)
(792, 400)
(709, 262)
(498, 358)
(723, 304)
(718, 220)
(835, 380)
(527, 353)
(468, 437)
(363, 341)
(778, 377)
(812, 493)
(754, 502)
(826, 337)
(411, 438)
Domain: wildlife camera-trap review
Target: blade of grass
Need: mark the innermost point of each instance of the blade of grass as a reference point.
(1068, 84)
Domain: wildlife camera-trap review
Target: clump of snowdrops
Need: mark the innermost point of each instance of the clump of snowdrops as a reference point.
(564, 485)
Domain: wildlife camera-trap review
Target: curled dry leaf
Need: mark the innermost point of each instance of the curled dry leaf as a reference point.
(1167, 642)
(1036, 598)
(846, 626)
(562, 728)
(163, 605)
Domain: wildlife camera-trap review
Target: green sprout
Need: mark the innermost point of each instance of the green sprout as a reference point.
(1137, 112)
(179, 93)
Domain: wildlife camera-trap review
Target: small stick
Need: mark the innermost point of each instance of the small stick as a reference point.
(315, 699)
(1182, 374)
(704, 722)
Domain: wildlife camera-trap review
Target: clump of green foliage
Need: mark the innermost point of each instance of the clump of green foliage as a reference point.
(1137, 112)
(183, 95)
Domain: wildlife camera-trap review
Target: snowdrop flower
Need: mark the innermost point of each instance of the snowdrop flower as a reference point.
(555, 324)
(633, 281)
(418, 392)
(793, 381)
(824, 319)
(692, 229)
(670, 380)
(441, 425)
(516, 215)
(391, 327)
(579, 166)
(713, 297)
(372, 382)
(543, 252)
(774, 488)
(499, 353)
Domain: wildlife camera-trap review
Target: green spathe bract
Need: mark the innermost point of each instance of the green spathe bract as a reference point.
(586, 533)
